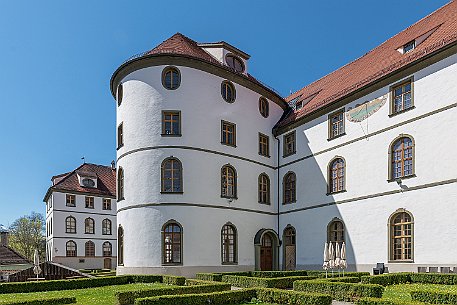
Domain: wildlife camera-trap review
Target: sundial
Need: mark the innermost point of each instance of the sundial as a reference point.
(363, 111)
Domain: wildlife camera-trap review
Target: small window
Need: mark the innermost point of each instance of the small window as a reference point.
(172, 241)
(70, 224)
(89, 202)
(402, 97)
(120, 184)
(120, 135)
(228, 91)
(299, 105)
(409, 46)
(234, 62)
(264, 145)
(337, 173)
(264, 189)
(107, 249)
(119, 94)
(90, 249)
(402, 158)
(171, 123)
(106, 227)
(289, 188)
(171, 78)
(228, 133)
(228, 236)
(289, 144)
(228, 182)
(88, 182)
(336, 124)
(71, 249)
(71, 200)
(263, 107)
(401, 236)
(106, 204)
(335, 231)
(120, 246)
(171, 176)
(89, 224)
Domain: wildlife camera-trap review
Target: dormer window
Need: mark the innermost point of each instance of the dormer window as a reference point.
(234, 62)
(88, 182)
(409, 46)
(87, 179)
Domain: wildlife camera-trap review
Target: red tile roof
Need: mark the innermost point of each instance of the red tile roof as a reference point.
(106, 181)
(9, 256)
(379, 62)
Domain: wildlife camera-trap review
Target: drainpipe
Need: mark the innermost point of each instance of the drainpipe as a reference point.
(277, 186)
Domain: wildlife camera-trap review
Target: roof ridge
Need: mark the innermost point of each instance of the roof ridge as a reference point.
(69, 174)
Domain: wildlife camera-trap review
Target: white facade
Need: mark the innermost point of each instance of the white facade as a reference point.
(365, 207)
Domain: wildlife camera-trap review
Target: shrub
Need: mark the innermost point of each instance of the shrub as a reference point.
(340, 291)
(214, 298)
(240, 273)
(434, 296)
(434, 278)
(376, 301)
(278, 273)
(174, 280)
(129, 297)
(279, 296)
(336, 274)
(44, 301)
(346, 279)
(387, 279)
(216, 277)
(262, 282)
(150, 278)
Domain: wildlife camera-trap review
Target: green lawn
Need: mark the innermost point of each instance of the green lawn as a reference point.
(91, 296)
(401, 292)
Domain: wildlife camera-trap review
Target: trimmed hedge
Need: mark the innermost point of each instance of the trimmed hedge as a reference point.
(269, 295)
(129, 297)
(271, 274)
(434, 278)
(214, 298)
(340, 291)
(215, 277)
(346, 279)
(150, 278)
(44, 301)
(376, 301)
(263, 282)
(434, 296)
(173, 280)
(387, 279)
(335, 274)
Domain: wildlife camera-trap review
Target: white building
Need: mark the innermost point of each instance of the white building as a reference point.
(217, 172)
(81, 218)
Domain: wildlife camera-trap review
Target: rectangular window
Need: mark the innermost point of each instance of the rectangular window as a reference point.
(89, 202)
(228, 133)
(106, 204)
(289, 144)
(409, 46)
(71, 200)
(264, 145)
(402, 97)
(120, 135)
(336, 124)
(171, 123)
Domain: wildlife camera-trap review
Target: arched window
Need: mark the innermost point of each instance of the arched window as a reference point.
(107, 249)
(120, 184)
(228, 240)
(234, 62)
(171, 78)
(335, 231)
(120, 246)
(71, 248)
(228, 91)
(90, 248)
(264, 189)
(401, 157)
(70, 224)
(337, 173)
(263, 107)
(171, 176)
(289, 188)
(172, 241)
(289, 237)
(119, 94)
(106, 227)
(401, 236)
(228, 182)
(89, 224)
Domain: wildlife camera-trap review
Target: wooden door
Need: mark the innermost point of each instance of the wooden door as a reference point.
(107, 263)
(290, 257)
(289, 248)
(266, 254)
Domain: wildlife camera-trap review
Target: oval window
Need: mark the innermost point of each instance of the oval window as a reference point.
(171, 78)
(88, 182)
(228, 91)
(234, 63)
(263, 107)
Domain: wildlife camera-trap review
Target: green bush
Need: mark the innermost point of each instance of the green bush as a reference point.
(44, 301)
(336, 274)
(434, 278)
(278, 273)
(387, 279)
(340, 291)
(263, 282)
(269, 295)
(215, 277)
(434, 296)
(240, 273)
(346, 279)
(174, 280)
(147, 278)
(129, 297)
(376, 301)
(214, 298)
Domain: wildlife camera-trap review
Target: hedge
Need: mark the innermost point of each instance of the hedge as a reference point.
(129, 297)
(215, 277)
(263, 282)
(214, 298)
(44, 301)
(174, 280)
(376, 301)
(346, 279)
(434, 278)
(271, 274)
(387, 279)
(434, 296)
(336, 274)
(269, 295)
(340, 291)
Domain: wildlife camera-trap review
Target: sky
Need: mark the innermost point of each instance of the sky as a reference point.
(57, 57)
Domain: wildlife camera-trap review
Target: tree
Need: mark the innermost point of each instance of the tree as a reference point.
(27, 233)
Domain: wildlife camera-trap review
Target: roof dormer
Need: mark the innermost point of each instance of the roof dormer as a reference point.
(228, 55)
(87, 179)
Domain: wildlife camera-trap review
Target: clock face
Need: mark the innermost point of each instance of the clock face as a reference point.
(88, 182)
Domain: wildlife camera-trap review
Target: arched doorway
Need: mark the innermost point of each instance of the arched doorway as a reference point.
(266, 243)
(289, 248)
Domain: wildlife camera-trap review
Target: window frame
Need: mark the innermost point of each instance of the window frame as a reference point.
(233, 125)
(75, 250)
(390, 177)
(235, 182)
(237, 58)
(285, 152)
(172, 113)
(164, 227)
(120, 245)
(264, 107)
(266, 144)
(162, 175)
(392, 111)
(260, 191)
(119, 94)
(294, 198)
(120, 184)
(164, 72)
(330, 230)
(330, 178)
(341, 112)
(120, 135)
(224, 245)
(87, 225)
(69, 228)
(107, 227)
(110, 249)
(89, 202)
(225, 84)
(89, 246)
(106, 204)
(391, 236)
(72, 198)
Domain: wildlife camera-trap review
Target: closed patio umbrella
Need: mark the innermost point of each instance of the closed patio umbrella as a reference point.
(331, 257)
(36, 263)
(337, 257)
(325, 265)
(343, 262)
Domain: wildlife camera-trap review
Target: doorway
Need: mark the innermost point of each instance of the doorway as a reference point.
(107, 263)
(289, 248)
(266, 253)
(266, 249)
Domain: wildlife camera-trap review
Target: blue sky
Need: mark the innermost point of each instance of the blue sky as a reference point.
(56, 59)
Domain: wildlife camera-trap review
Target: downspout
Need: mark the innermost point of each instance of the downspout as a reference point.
(278, 200)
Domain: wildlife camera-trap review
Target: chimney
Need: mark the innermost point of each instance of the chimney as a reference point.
(113, 165)
(3, 236)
